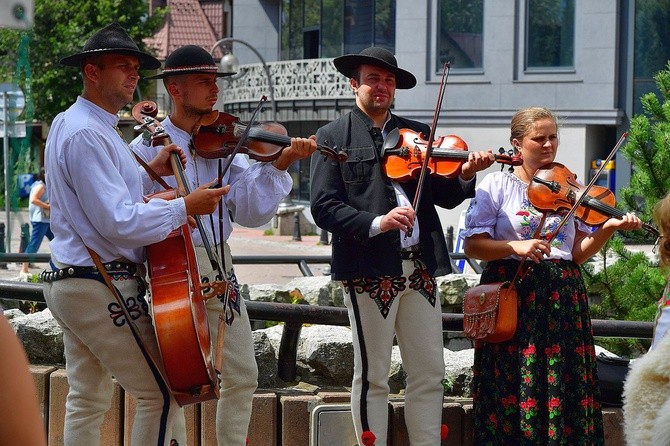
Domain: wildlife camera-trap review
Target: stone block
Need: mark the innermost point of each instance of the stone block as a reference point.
(397, 435)
(263, 424)
(331, 397)
(111, 428)
(41, 376)
(468, 426)
(295, 414)
(613, 426)
(208, 423)
(452, 416)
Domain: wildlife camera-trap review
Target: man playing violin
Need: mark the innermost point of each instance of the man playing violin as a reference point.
(99, 217)
(388, 274)
(256, 190)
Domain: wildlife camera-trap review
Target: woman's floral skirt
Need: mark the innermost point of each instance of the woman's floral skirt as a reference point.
(541, 387)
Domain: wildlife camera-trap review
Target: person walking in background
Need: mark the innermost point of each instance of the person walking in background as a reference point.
(388, 274)
(540, 387)
(101, 222)
(38, 210)
(256, 190)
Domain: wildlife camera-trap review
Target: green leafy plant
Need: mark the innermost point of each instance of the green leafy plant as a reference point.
(625, 285)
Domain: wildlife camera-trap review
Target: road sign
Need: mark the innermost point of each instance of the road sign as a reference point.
(15, 129)
(11, 98)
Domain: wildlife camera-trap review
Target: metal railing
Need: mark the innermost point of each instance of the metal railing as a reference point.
(294, 316)
(300, 260)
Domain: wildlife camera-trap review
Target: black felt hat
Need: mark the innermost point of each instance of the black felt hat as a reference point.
(112, 39)
(377, 56)
(189, 59)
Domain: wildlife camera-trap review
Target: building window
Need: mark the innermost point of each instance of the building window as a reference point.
(460, 34)
(330, 28)
(652, 48)
(550, 34)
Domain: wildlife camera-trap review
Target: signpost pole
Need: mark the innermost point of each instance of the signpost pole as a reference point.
(5, 140)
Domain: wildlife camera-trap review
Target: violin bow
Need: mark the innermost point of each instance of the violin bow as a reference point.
(431, 139)
(588, 187)
(242, 139)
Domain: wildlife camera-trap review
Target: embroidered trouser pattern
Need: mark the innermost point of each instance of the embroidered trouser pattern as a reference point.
(98, 345)
(379, 310)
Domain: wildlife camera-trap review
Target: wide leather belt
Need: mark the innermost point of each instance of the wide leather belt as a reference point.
(410, 253)
(87, 272)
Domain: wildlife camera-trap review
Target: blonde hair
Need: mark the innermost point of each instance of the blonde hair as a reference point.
(524, 120)
(662, 219)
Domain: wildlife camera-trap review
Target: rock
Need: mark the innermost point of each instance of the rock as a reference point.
(41, 336)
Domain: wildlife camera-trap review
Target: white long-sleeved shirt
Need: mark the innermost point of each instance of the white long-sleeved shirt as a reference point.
(96, 190)
(255, 193)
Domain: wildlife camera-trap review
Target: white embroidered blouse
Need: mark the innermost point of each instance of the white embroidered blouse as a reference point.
(502, 210)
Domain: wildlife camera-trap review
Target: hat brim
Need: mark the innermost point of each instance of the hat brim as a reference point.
(349, 63)
(165, 74)
(147, 61)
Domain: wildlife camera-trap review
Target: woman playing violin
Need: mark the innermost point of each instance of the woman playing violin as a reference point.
(541, 386)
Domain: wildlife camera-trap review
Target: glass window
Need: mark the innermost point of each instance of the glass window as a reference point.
(385, 24)
(652, 47)
(330, 28)
(550, 34)
(460, 35)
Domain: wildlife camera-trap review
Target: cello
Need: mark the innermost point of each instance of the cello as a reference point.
(178, 300)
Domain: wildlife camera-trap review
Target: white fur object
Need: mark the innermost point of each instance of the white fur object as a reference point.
(646, 398)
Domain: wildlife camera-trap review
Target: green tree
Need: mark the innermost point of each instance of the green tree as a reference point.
(60, 28)
(630, 286)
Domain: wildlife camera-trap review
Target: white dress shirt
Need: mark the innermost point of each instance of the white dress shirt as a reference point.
(96, 191)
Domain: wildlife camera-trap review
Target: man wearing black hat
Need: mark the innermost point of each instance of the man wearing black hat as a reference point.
(99, 217)
(190, 77)
(387, 271)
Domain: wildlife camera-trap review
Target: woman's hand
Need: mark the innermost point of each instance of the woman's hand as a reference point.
(534, 249)
(629, 222)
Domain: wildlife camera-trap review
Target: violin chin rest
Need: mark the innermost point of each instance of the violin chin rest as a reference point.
(210, 118)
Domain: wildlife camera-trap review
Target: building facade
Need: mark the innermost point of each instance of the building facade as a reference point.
(587, 60)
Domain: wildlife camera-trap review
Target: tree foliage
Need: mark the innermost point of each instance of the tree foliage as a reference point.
(630, 286)
(61, 28)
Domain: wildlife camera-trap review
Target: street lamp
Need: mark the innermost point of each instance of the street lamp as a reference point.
(230, 64)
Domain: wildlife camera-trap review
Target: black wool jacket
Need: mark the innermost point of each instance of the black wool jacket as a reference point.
(346, 197)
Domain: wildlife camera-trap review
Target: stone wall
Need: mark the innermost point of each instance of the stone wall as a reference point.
(281, 417)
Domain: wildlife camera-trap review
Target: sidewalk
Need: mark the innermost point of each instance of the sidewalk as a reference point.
(243, 241)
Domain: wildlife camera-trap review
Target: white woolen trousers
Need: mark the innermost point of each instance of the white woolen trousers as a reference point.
(417, 325)
(239, 372)
(96, 348)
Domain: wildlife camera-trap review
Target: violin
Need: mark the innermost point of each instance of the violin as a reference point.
(217, 134)
(404, 153)
(554, 187)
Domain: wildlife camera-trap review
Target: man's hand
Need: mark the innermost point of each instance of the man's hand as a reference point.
(203, 200)
(476, 161)
(161, 162)
(300, 148)
(401, 218)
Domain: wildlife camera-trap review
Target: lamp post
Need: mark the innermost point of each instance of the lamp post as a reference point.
(230, 64)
